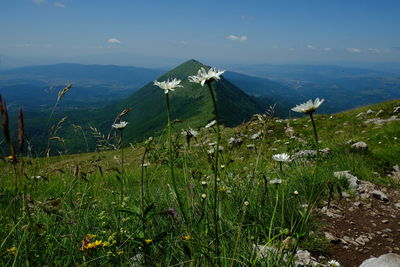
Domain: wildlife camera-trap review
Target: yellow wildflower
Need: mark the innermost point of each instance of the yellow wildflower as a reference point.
(120, 252)
(148, 241)
(186, 237)
(12, 250)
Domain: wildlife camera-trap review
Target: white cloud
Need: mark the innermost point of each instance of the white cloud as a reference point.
(59, 5)
(374, 50)
(237, 38)
(114, 41)
(310, 47)
(38, 2)
(327, 49)
(353, 50)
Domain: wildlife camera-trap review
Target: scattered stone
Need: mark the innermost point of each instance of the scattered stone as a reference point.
(380, 195)
(397, 205)
(357, 204)
(385, 221)
(333, 239)
(370, 111)
(362, 240)
(396, 109)
(351, 179)
(302, 258)
(379, 121)
(360, 146)
(331, 212)
(304, 154)
(386, 260)
(347, 195)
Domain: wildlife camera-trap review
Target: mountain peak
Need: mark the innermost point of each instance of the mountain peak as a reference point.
(191, 103)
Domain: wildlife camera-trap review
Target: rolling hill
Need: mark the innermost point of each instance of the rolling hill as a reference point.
(191, 104)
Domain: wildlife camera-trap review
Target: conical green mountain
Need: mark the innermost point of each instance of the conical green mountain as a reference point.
(191, 104)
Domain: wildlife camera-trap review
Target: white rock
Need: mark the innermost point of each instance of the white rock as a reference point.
(386, 260)
(351, 179)
(303, 257)
(380, 195)
(370, 111)
(360, 145)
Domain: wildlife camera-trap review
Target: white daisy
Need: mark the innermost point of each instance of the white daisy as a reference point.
(168, 85)
(284, 157)
(309, 106)
(204, 76)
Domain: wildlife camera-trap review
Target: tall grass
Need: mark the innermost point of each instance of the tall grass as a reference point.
(260, 222)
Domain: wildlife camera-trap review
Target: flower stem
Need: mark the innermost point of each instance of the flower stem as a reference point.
(317, 149)
(171, 160)
(122, 166)
(215, 172)
(142, 190)
(315, 132)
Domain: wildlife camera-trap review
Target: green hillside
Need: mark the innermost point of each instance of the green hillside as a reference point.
(190, 104)
(105, 209)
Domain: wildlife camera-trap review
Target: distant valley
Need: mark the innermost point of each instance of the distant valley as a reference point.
(100, 92)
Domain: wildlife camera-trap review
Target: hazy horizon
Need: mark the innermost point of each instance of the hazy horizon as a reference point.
(161, 34)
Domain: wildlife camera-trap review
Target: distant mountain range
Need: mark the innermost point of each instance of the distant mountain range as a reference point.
(100, 92)
(35, 88)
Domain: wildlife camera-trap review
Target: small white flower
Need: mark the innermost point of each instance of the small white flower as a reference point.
(203, 196)
(121, 125)
(204, 76)
(295, 192)
(246, 203)
(203, 183)
(211, 124)
(284, 157)
(309, 106)
(256, 135)
(168, 85)
(333, 263)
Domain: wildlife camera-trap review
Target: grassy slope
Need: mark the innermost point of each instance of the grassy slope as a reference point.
(55, 230)
(191, 104)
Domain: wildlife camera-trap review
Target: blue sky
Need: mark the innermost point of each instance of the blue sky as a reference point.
(229, 31)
